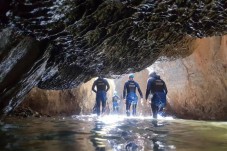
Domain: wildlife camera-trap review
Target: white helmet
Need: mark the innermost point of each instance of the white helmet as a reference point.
(115, 92)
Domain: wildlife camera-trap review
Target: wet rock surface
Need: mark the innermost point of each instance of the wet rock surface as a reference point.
(81, 39)
(76, 101)
(22, 64)
(198, 84)
(26, 112)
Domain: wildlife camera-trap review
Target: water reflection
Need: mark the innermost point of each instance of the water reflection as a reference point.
(97, 137)
(118, 133)
(122, 133)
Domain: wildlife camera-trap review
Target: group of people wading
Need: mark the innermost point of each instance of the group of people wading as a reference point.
(155, 86)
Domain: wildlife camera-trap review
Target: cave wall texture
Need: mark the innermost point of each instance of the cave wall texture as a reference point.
(58, 44)
(198, 84)
(80, 100)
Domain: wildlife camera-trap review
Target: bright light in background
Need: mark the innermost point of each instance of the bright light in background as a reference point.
(165, 118)
(155, 68)
(150, 69)
(110, 119)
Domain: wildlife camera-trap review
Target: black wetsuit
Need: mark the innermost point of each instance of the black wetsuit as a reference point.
(102, 86)
(155, 86)
(131, 97)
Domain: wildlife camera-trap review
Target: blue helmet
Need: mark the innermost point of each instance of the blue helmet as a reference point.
(131, 75)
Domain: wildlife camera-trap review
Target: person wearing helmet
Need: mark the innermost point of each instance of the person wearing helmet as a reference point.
(157, 87)
(102, 86)
(115, 100)
(129, 94)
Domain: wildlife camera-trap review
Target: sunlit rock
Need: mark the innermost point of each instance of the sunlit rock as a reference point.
(198, 84)
(65, 102)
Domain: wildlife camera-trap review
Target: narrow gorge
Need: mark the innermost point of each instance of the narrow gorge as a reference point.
(197, 86)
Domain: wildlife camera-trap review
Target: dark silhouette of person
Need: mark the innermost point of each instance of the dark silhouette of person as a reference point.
(129, 94)
(102, 86)
(157, 87)
(115, 100)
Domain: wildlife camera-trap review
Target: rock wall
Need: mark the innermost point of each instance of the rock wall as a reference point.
(64, 102)
(58, 45)
(198, 84)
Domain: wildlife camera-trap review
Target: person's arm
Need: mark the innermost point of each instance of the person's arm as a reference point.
(165, 88)
(108, 86)
(124, 91)
(148, 90)
(140, 92)
(93, 87)
(118, 99)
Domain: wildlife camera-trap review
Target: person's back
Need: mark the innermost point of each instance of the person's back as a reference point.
(131, 86)
(157, 87)
(102, 86)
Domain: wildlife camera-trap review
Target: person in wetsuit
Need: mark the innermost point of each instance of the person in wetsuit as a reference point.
(157, 87)
(115, 99)
(129, 95)
(102, 86)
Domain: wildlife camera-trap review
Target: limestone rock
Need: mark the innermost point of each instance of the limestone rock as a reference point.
(64, 102)
(198, 84)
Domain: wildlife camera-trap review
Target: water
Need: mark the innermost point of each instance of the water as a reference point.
(118, 133)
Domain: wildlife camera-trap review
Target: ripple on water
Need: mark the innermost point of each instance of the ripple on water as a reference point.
(119, 133)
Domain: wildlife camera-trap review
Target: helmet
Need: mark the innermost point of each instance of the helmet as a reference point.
(152, 74)
(131, 75)
(115, 92)
(101, 76)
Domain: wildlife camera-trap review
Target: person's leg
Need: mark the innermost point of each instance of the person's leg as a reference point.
(154, 110)
(128, 104)
(117, 108)
(94, 110)
(134, 109)
(98, 104)
(103, 106)
(160, 111)
(113, 107)
(103, 102)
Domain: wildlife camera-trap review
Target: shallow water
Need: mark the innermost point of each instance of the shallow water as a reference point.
(118, 133)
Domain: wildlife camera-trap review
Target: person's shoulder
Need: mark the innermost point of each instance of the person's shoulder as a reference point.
(136, 82)
(105, 80)
(151, 79)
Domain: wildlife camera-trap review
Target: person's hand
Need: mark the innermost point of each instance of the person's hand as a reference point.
(125, 101)
(141, 101)
(164, 109)
(149, 102)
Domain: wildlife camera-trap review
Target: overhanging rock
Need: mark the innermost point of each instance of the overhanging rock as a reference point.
(89, 37)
